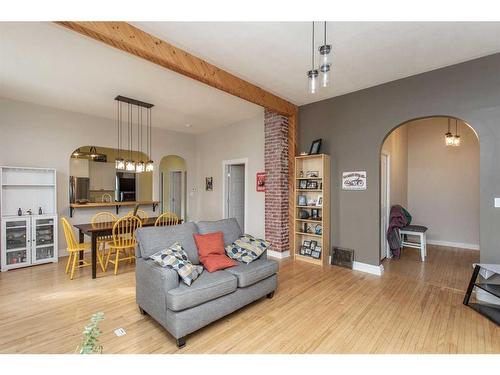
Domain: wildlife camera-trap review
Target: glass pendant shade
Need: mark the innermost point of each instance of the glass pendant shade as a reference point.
(149, 166)
(140, 167)
(130, 165)
(324, 54)
(312, 77)
(76, 153)
(448, 139)
(456, 141)
(119, 163)
(325, 75)
(93, 152)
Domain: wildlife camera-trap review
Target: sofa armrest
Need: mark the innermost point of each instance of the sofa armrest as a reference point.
(152, 284)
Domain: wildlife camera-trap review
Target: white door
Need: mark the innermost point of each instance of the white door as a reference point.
(384, 204)
(16, 242)
(235, 193)
(176, 193)
(44, 239)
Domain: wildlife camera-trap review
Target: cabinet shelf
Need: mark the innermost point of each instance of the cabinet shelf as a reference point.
(309, 234)
(310, 190)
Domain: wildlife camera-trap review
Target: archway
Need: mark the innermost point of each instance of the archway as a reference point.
(437, 183)
(173, 177)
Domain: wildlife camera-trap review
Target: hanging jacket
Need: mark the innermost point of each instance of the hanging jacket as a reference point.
(397, 219)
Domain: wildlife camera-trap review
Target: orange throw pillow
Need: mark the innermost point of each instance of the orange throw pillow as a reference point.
(211, 251)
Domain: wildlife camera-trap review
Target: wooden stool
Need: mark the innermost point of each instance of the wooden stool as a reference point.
(417, 231)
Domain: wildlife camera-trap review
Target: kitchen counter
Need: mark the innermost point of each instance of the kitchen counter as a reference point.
(117, 205)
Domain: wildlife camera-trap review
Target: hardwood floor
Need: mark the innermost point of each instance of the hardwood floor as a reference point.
(413, 308)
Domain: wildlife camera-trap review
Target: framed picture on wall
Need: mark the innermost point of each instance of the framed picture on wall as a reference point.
(315, 147)
(302, 200)
(209, 183)
(261, 181)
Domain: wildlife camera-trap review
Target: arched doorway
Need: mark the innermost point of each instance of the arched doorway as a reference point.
(438, 183)
(173, 193)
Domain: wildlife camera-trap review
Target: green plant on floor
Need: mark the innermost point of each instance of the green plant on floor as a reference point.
(91, 333)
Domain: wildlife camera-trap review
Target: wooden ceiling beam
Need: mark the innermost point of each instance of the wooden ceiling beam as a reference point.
(130, 39)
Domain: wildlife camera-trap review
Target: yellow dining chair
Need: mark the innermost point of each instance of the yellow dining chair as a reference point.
(74, 249)
(141, 214)
(167, 218)
(123, 240)
(99, 220)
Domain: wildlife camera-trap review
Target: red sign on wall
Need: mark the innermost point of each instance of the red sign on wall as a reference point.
(261, 181)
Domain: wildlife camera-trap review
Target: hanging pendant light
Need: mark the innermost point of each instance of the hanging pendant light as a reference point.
(140, 166)
(129, 163)
(448, 137)
(325, 61)
(77, 153)
(119, 162)
(150, 164)
(456, 138)
(312, 75)
(93, 152)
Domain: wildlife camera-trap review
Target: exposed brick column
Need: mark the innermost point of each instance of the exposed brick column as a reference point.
(277, 188)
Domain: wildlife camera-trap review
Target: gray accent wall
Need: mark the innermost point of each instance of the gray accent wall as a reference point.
(353, 127)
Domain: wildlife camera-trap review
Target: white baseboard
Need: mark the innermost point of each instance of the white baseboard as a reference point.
(483, 296)
(277, 254)
(460, 245)
(368, 268)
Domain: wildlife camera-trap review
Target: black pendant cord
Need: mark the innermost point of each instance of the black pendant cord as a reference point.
(449, 121)
(456, 128)
(324, 43)
(118, 125)
(312, 55)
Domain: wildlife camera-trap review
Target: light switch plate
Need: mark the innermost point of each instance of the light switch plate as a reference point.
(497, 202)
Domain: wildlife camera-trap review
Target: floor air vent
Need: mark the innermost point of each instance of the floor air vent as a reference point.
(342, 257)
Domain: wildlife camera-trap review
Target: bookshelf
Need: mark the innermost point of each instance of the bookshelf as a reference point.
(312, 216)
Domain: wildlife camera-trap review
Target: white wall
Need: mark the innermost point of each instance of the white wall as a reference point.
(237, 141)
(39, 136)
(443, 182)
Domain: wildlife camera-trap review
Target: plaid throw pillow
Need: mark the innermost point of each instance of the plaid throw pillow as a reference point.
(176, 258)
(247, 248)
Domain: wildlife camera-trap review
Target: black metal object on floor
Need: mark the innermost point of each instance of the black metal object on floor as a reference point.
(492, 312)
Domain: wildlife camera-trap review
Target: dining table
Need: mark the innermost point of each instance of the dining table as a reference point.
(94, 231)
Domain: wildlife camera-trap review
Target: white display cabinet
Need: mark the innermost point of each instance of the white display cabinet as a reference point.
(29, 238)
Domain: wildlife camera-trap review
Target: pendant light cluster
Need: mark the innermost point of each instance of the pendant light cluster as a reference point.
(449, 138)
(125, 159)
(320, 77)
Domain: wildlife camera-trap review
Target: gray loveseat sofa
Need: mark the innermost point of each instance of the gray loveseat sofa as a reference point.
(183, 309)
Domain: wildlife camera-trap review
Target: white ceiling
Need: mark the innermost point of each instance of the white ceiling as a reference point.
(47, 64)
(276, 55)
(50, 65)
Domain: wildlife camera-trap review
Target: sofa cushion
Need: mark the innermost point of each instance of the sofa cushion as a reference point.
(249, 274)
(206, 288)
(210, 243)
(229, 227)
(247, 248)
(174, 257)
(153, 239)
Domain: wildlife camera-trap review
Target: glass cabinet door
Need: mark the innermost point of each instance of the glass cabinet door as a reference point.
(17, 242)
(43, 239)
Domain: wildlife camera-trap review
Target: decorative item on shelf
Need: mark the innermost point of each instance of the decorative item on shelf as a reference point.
(313, 185)
(354, 180)
(307, 243)
(305, 228)
(308, 251)
(302, 200)
(311, 202)
(316, 253)
(19, 212)
(40, 212)
(303, 214)
(209, 184)
(312, 174)
(301, 174)
(302, 250)
(319, 202)
(313, 245)
(303, 184)
(129, 164)
(318, 229)
(315, 147)
(303, 153)
(315, 214)
(260, 179)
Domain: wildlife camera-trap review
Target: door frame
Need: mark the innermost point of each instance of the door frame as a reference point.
(388, 199)
(225, 164)
(171, 184)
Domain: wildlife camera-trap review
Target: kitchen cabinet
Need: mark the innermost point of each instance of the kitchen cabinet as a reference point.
(102, 176)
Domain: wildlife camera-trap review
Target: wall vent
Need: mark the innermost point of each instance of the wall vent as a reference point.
(341, 257)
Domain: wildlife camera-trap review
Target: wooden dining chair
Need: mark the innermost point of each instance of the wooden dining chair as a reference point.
(99, 220)
(141, 214)
(167, 218)
(123, 241)
(74, 248)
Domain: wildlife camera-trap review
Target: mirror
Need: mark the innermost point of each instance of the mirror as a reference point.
(94, 178)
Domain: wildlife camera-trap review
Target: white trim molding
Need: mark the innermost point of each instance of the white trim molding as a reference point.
(368, 268)
(459, 245)
(278, 255)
